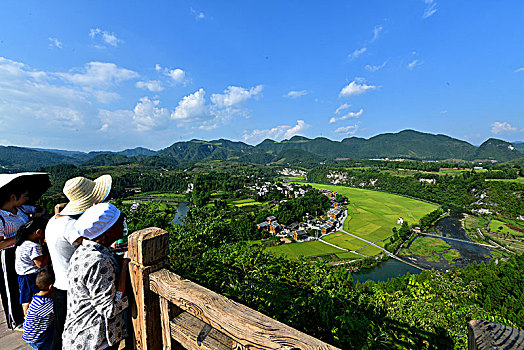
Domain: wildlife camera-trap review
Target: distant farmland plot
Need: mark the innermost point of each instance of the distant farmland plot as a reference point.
(372, 214)
(312, 248)
(344, 241)
(519, 180)
(496, 224)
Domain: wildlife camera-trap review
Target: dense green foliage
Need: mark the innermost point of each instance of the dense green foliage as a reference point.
(426, 311)
(296, 208)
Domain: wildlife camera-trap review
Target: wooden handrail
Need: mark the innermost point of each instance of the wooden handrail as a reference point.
(172, 312)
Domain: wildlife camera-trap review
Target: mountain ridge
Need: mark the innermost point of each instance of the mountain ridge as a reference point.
(406, 144)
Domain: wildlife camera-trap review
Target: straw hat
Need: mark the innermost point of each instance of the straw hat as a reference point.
(83, 193)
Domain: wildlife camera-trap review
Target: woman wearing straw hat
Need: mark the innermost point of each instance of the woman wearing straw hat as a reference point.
(16, 191)
(62, 238)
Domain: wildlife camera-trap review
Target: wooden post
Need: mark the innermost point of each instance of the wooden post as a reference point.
(148, 250)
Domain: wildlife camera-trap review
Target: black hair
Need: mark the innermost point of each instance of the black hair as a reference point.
(45, 278)
(8, 190)
(29, 227)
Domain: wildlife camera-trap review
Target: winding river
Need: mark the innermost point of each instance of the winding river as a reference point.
(181, 211)
(451, 227)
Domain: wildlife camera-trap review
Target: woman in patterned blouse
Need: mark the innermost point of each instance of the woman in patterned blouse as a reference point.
(97, 283)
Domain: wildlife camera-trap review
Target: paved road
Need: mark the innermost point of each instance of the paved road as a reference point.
(10, 340)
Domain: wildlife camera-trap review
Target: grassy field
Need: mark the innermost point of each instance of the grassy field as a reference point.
(245, 202)
(501, 227)
(344, 241)
(372, 214)
(295, 250)
(519, 180)
(425, 246)
(167, 196)
(370, 250)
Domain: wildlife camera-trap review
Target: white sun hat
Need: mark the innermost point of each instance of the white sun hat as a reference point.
(83, 193)
(96, 220)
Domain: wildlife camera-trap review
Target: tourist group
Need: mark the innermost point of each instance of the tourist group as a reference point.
(61, 282)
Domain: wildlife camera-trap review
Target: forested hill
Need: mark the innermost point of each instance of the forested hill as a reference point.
(407, 144)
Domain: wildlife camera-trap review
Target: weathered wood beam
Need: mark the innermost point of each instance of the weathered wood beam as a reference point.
(148, 250)
(247, 327)
(484, 335)
(192, 333)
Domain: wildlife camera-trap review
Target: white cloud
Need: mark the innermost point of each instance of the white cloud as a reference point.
(376, 32)
(350, 115)
(342, 107)
(151, 85)
(431, 8)
(347, 130)
(498, 127)
(105, 36)
(177, 74)
(414, 63)
(147, 115)
(99, 74)
(191, 108)
(356, 87)
(104, 96)
(55, 42)
(197, 14)
(235, 95)
(372, 68)
(295, 94)
(519, 69)
(37, 101)
(276, 133)
(357, 53)
(445, 111)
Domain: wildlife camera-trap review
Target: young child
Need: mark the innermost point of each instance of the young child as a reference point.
(39, 321)
(30, 258)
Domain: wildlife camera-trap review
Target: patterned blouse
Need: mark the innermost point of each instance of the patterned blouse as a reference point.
(9, 223)
(94, 308)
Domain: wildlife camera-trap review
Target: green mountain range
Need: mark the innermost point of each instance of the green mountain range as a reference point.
(407, 144)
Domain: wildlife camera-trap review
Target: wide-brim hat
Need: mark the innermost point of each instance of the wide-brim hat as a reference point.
(83, 193)
(36, 183)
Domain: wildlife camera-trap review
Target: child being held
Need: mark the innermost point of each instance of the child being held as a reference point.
(39, 321)
(30, 258)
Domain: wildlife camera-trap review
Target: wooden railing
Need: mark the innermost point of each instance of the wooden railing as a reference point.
(170, 312)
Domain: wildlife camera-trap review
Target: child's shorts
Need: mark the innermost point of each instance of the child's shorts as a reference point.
(27, 285)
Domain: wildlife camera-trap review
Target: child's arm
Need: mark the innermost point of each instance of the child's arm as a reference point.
(42, 260)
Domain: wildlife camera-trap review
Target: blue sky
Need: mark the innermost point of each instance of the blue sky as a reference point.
(110, 75)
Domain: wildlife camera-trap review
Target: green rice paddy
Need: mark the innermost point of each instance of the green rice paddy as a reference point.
(372, 214)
